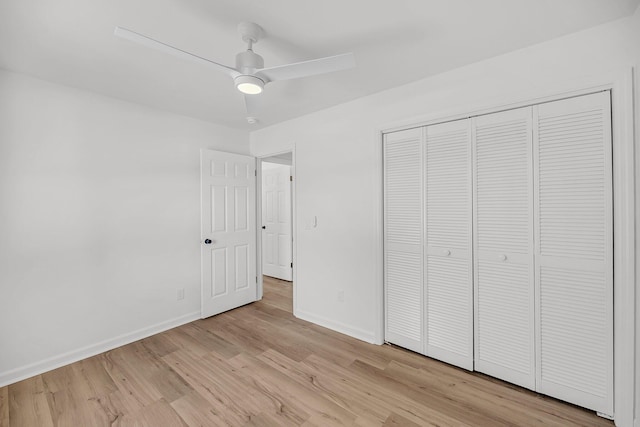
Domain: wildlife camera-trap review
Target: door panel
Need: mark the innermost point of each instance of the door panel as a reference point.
(503, 216)
(228, 221)
(448, 264)
(403, 238)
(574, 250)
(276, 220)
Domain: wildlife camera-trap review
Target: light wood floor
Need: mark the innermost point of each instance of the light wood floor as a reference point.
(259, 366)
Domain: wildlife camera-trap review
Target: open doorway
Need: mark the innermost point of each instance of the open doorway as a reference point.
(276, 212)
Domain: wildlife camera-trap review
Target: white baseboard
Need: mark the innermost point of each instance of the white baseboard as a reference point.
(24, 372)
(361, 334)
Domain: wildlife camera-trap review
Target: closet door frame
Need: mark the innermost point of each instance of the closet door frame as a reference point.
(625, 158)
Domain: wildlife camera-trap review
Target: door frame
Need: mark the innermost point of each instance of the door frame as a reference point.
(294, 246)
(621, 85)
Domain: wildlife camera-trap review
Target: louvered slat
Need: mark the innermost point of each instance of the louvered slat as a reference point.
(403, 238)
(574, 248)
(503, 218)
(404, 295)
(448, 277)
(504, 334)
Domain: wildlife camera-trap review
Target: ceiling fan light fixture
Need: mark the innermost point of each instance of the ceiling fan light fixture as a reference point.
(249, 85)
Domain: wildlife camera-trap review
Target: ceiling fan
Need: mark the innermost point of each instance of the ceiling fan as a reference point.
(249, 74)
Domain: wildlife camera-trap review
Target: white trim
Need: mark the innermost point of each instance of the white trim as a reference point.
(624, 248)
(378, 247)
(343, 328)
(621, 86)
(24, 372)
(294, 229)
(201, 172)
(259, 279)
(277, 161)
(278, 153)
(495, 107)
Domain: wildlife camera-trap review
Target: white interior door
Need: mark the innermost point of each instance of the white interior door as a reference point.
(228, 203)
(276, 221)
(574, 250)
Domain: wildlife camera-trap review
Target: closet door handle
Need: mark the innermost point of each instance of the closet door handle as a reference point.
(447, 252)
(503, 257)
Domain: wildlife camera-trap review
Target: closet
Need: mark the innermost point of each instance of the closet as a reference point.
(498, 246)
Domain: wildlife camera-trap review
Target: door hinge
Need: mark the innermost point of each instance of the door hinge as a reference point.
(291, 265)
(290, 178)
(256, 279)
(255, 172)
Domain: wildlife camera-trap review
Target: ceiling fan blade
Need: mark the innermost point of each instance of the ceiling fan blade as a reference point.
(308, 68)
(250, 105)
(155, 44)
(256, 107)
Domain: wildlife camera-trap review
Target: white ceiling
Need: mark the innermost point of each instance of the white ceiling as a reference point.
(395, 42)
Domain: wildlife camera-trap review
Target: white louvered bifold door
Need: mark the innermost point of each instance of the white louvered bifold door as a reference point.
(574, 250)
(503, 219)
(403, 238)
(448, 263)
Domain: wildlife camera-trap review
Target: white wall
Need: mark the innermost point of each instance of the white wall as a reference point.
(337, 156)
(99, 221)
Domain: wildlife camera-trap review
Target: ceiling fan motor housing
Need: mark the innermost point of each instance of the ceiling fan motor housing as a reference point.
(248, 62)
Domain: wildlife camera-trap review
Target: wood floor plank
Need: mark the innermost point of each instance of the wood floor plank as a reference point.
(154, 373)
(28, 404)
(159, 413)
(266, 419)
(210, 340)
(260, 366)
(396, 420)
(133, 393)
(460, 410)
(366, 414)
(304, 403)
(183, 340)
(323, 345)
(371, 396)
(159, 344)
(233, 400)
(500, 399)
(69, 409)
(93, 372)
(197, 411)
(4, 406)
(113, 407)
(265, 336)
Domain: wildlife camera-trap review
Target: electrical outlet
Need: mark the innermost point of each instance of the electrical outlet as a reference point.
(180, 294)
(340, 295)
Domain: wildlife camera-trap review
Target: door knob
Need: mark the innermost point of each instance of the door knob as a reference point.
(207, 241)
(447, 252)
(503, 257)
(264, 227)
